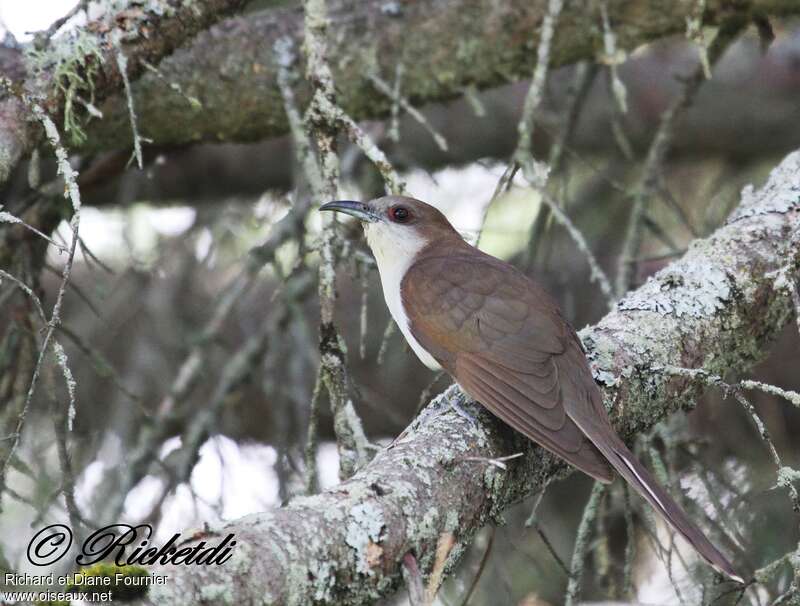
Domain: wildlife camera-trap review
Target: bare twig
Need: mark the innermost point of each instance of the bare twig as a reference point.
(388, 332)
(6, 217)
(536, 90)
(193, 101)
(310, 451)
(481, 566)
(613, 57)
(323, 120)
(786, 475)
(122, 65)
(654, 161)
(499, 462)
(574, 102)
(287, 77)
(582, 543)
(73, 193)
(394, 116)
(62, 423)
(523, 155)
(596, 272)
(82, 5)
(387, 90)
(427, 393)
(393, 182)
(28, 291)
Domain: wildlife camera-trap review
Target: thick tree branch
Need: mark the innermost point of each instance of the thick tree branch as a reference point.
(444, 45)
(86, 66)
(717, 308)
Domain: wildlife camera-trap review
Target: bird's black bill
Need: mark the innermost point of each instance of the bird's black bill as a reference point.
(359, 210)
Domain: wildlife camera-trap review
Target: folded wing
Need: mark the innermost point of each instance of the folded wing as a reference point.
(506, 353)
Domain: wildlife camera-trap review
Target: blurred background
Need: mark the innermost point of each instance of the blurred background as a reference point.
(190, 322)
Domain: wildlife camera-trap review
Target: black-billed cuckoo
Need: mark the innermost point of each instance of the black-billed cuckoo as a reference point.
(505, 342)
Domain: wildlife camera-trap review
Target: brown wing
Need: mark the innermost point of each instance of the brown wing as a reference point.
(506, 344)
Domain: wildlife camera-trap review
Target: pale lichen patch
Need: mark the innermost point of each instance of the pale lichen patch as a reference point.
(695, 290)
(780, 194)
(365, 525)
(216, 593)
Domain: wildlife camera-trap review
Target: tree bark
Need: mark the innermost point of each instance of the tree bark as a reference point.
(716, 308)
(91, 68)
(444, 46)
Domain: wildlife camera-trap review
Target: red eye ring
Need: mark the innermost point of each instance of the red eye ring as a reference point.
(400, 214)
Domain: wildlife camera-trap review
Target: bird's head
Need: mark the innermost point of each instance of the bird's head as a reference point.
(397, 225)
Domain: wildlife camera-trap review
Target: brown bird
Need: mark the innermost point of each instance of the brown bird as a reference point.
(504, 340)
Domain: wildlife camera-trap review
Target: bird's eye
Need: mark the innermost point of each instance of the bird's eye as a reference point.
(399, 214)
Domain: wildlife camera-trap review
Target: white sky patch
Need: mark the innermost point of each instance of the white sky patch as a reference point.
(112, 234)
(172, 220)
(21, 16)
(327, 465)
(463, 193)
(460, 193)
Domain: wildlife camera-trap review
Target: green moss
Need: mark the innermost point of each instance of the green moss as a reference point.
(72, 61)
(127, 582)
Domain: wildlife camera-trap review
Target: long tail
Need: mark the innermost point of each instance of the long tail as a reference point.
(614, 449)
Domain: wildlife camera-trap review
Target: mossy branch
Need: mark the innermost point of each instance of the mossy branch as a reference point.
(86, 63)
(447, 48)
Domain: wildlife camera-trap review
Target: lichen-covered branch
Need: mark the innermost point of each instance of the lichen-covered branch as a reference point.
(323, 119)
(715, 308)
(72, 192)
(445, 46)
(82, 69)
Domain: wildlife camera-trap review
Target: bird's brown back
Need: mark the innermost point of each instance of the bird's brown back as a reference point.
(504, 340)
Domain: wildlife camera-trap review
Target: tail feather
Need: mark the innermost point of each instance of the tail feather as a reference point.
(640, 479)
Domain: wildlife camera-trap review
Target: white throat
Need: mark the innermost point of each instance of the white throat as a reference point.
(395, 248)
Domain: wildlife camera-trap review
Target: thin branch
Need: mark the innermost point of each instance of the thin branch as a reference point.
(582, 543)
(596, 274)
(481, 566)
(122, 65)
(536, 90)
(523, 155)
(653, 165)
(73, 193)
(6, 217)
(388, 332)
(310, 451)
(786, 475)
(323, 119)
(401, 101)
(613, 57)
(62, 424)
(575, 99)
(287, 78)
(393, 182)
(28, 291)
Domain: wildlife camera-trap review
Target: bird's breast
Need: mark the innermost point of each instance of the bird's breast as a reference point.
(394, 256)
(394, 302)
